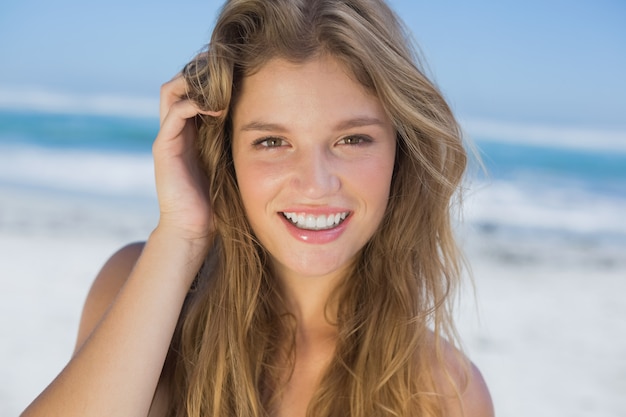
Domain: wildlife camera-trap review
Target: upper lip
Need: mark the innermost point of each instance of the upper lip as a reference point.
(315, 211)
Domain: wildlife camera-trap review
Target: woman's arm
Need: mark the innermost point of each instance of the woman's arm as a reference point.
(122, 344)
(103, 292)
(105, 289)
(116, 369)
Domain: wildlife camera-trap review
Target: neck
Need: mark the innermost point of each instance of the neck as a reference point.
(307, 298)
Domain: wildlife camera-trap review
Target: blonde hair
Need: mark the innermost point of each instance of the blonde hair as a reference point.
(230, 350)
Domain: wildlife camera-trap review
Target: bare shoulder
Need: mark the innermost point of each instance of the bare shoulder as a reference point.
(105, 288)
(462, 384)
(475, 399)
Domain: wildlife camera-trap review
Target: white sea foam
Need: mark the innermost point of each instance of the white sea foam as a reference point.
(38, 99)
(91, 172)
(585, 138)
(534, 207)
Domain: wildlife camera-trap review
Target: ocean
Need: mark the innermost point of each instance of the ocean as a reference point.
(526, 189)
(90, 154)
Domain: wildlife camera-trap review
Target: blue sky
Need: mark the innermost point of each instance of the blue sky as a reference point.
(548, 63)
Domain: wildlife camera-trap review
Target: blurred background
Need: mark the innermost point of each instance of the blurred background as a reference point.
(538, 87)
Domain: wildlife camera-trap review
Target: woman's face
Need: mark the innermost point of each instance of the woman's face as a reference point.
(314, 155)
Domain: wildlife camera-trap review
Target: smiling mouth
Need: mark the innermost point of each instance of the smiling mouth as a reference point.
(312, 222)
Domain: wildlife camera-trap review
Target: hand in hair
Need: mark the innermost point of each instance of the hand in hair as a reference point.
(182, 186)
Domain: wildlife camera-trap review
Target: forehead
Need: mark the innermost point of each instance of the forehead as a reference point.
(320, 88)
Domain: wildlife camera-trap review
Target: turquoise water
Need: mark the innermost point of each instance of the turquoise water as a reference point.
(84, 132)
(599, 170)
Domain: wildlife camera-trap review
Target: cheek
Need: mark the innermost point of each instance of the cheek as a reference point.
(247, 186)
(258, 183)
(377, 186)
(375, 179)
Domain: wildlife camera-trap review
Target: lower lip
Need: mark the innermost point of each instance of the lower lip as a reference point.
(316, 236)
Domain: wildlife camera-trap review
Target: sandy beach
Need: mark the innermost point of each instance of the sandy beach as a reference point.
(548, 329)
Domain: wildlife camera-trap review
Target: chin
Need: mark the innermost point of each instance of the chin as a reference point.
(312, 268)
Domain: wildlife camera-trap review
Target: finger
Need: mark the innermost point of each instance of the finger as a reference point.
(185, 109)
(176, 90)
(171, 92)
(177, 117)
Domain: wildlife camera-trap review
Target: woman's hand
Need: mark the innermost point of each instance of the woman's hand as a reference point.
(182, 186)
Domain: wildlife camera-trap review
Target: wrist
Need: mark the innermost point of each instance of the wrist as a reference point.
(184, 254)
(194, 240)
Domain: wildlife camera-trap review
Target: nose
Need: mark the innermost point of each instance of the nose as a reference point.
(316, 174)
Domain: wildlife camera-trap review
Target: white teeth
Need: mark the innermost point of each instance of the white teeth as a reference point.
(312, 222)
(321, 222)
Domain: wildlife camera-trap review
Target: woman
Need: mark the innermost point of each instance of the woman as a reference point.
(304, 261)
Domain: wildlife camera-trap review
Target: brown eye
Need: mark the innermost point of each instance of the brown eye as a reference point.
(270, 142)
(354, 140)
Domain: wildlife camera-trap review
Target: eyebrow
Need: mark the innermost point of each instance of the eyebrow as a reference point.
(260, 126)
(358, 122)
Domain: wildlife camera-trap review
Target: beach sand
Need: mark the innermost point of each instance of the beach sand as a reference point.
(550, 332)
(548, 329)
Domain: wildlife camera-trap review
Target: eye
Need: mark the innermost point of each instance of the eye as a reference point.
(355, 140)
(269, 142)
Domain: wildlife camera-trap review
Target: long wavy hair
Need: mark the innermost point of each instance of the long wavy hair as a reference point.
(234, 341)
